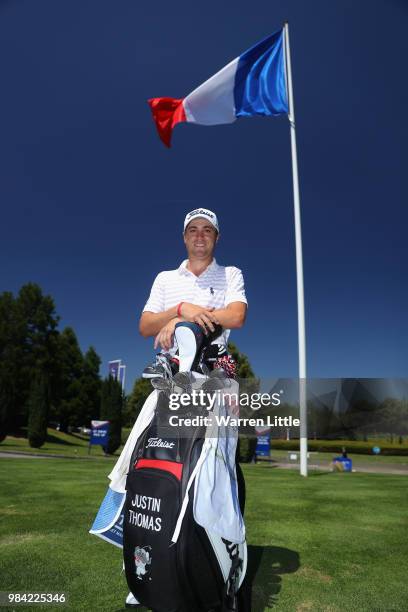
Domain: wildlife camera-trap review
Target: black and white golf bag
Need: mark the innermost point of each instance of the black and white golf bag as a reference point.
(197, 570)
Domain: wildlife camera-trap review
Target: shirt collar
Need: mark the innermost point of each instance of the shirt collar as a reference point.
(183, 268)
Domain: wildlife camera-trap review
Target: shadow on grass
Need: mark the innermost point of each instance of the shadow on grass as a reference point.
(57, 440)
(50, 438)
(263, 580)
(82, 437)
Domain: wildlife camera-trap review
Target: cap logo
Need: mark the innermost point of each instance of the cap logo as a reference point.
(200, 211)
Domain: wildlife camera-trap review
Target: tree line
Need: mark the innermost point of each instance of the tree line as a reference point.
(361, 420)
(44, 376)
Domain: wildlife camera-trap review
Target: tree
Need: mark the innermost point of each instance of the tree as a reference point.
(30, 342)
(38, 407)
(141, 390)
(111, 410)
(90, 387)
(248, 384)
(10, 355)
(360, 417)
(394, 416)
(35, 338)
(67, 407)
(244, 368)
(6, 403)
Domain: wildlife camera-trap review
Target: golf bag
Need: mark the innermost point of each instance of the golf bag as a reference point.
(196, 570)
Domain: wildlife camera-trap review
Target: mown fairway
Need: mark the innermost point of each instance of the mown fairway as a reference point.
(332, 542)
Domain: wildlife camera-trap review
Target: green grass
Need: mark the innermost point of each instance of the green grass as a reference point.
(328, 543)
(332, 542)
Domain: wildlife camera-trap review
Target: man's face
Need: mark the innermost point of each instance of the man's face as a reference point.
(200, 238)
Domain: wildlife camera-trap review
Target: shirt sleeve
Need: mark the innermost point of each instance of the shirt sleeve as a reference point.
(155, 303)
(235, 287)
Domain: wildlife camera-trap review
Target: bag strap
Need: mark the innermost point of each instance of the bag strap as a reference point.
(230, 600)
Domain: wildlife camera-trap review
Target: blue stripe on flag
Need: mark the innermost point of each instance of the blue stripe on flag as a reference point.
(260, 84)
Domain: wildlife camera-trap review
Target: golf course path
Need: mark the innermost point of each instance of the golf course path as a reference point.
(24, 455)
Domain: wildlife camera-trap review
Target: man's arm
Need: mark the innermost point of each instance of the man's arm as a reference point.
(151, 323)
(232, 316)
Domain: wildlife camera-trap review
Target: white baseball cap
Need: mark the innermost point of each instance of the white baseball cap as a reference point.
(205, 214)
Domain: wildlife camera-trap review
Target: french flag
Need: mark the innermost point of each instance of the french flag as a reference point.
(252, 84)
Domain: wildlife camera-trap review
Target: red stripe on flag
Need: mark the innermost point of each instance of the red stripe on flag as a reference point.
(167, 112)
(158, 464)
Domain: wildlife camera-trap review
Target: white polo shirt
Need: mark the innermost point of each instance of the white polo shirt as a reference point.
(216, 287)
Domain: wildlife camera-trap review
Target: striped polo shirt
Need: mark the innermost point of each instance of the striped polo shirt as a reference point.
(216, 287)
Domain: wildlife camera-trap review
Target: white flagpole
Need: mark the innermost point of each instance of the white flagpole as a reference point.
(299, 262)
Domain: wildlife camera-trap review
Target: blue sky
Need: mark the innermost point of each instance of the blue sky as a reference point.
(93, 203)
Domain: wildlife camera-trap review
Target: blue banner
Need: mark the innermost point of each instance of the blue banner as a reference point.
(343, 464)
(264, 440)
(122, 372)
(99, 433)
(113, 367)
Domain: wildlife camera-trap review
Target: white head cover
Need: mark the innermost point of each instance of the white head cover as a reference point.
(205, 214)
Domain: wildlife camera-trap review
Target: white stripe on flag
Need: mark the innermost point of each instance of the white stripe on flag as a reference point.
(213, 101)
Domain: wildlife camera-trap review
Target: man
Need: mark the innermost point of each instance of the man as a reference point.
(199, 291)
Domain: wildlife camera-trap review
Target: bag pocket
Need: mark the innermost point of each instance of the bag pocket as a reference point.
(150, 514)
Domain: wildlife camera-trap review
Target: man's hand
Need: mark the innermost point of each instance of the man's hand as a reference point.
(165, 336)
(189, 312)
(197, 314)
(152, 323)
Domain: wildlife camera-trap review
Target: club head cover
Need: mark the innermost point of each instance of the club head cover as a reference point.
(189, 337)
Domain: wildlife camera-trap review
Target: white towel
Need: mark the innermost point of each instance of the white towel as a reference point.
(216, 502)
(119, 472)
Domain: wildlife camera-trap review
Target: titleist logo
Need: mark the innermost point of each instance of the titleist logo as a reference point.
(200, 211)
(159, 442)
